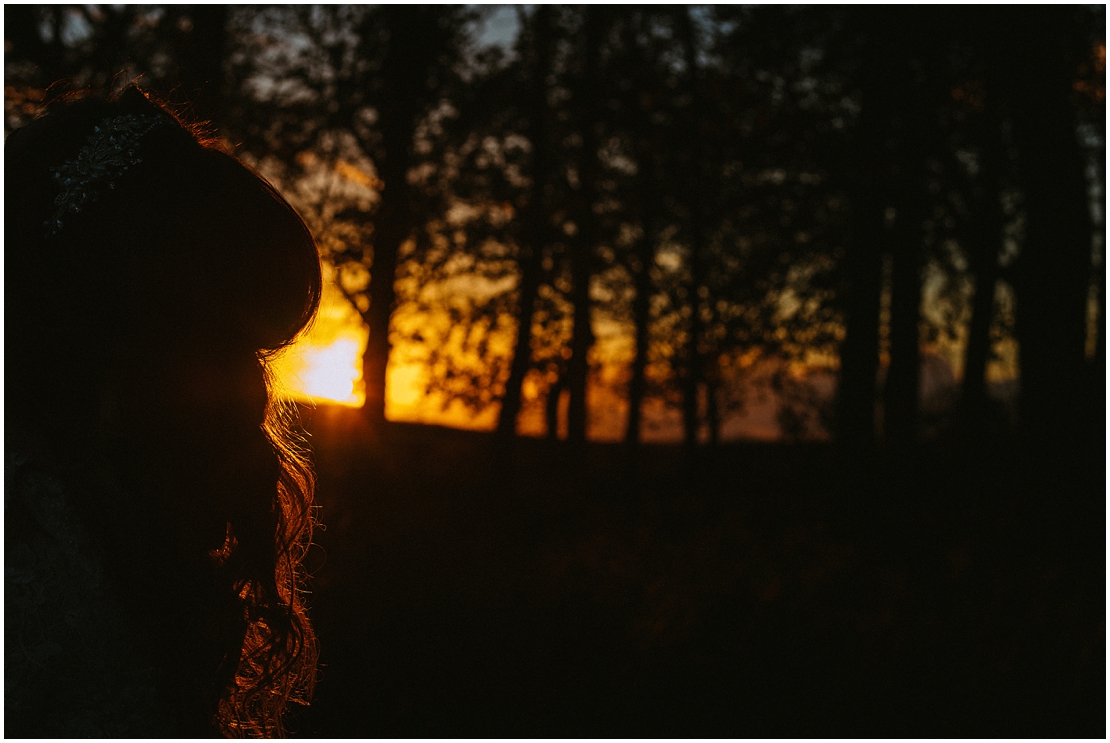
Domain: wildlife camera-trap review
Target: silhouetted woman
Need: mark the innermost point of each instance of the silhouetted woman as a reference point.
(156, 506)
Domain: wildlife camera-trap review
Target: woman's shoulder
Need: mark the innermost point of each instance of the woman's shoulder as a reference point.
(69, 669)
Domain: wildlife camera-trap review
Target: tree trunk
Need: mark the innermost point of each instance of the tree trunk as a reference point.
(1097, 363)
(712, 403)
(900, 395)
(585, 242)
(641, 305)
(551, 407)
(903, 380)
(647, 143)
(642, 262)
(983, 252)
(1054, 268)
(917, 101)
(388, 238)
(532, 247)
(862, 285)
(859, 351)
(203, 54)
(402, 76)
(694, 373)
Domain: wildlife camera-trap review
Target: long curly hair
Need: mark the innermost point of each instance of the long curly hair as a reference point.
(139, 335)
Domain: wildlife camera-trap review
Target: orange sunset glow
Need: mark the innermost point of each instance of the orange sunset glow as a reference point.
(328, 373)
(325, 364)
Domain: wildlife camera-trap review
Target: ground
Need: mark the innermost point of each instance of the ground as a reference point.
(466, 590)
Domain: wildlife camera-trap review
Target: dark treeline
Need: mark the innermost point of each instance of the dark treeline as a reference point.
(735, 189)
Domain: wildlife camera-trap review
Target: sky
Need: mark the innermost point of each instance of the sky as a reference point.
(500, 26)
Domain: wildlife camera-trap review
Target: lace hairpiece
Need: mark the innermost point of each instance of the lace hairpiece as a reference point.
(109, 152)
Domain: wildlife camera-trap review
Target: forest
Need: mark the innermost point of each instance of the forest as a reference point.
(779, 332)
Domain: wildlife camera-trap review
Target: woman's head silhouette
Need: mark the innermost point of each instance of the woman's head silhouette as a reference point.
(150, 276)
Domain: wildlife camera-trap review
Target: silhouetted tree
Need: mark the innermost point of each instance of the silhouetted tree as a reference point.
(1043, 56)
(181, 53)
(869, 181)
(415, 39)
(530, 252)
(724, 184)
(584, 242)
(982, 236)
(363, 92)
(919, 41)
(694, 357)
(646, 104)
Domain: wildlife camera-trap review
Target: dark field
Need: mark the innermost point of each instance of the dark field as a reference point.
(465, 592)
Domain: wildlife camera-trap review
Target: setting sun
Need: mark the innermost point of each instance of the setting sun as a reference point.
(325, 365)
(330, 373)
(324, 373)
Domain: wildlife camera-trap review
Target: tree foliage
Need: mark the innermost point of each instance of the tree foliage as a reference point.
(681, 204)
